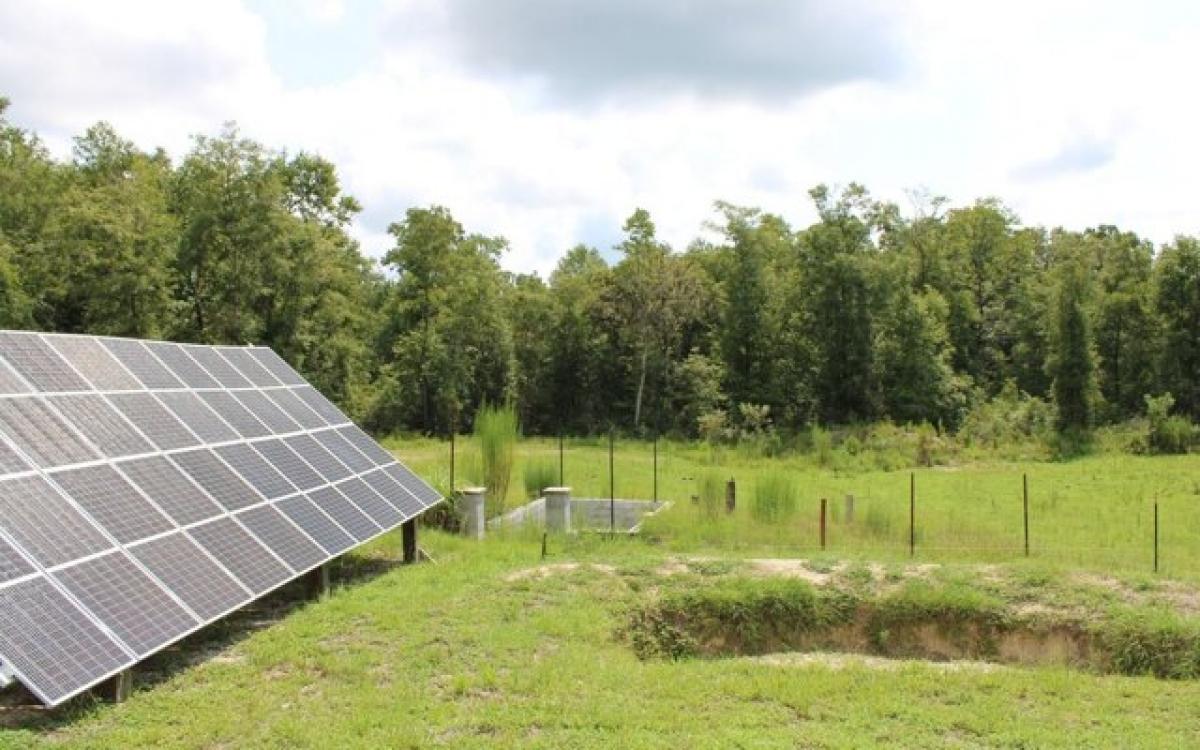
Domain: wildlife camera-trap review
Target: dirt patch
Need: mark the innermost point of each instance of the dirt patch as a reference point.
(838, 660)
(546, 571)
(790, 568)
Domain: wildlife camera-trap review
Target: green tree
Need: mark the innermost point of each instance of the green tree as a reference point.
(1177, 299)
(1072, 361)
(913, 356)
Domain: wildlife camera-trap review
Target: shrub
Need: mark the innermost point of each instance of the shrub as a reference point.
(822, 445)
(774, 498)
(1167, 434)
(539, 475)
(496, 429)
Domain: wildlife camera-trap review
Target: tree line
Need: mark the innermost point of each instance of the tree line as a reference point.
(869, 313)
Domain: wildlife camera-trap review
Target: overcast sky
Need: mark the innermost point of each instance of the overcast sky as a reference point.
(549, 121)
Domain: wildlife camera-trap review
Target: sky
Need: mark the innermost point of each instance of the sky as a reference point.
(549, 121)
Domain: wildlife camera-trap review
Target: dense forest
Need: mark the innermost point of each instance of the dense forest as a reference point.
(868, 314)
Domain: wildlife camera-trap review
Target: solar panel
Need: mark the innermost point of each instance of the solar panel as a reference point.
(197, 415)
(317, 457)
(256, 470)
(177, 360)
(93, 361)
(196, 579)
(287, 400)
(144, 366)
(39, 364)
(366, 445)
(323, 530)
(148, 488)
(347, 515)
(112, 502)
(153, 419)
(321, 405)
(131, 603)
(266, 412)
(10, 462)
(12, 563)
(238, 416)
(217, 366)
(218, 480)
(56, 648)
(370, 502)
(41, 434)
(282, 537)
(10, 382)
(393, 492)
(289, 464)
(45, 524)
(344, 451)
(170, 489)
(277, 367)
(101, 424)
(245, 363)
(246, 558)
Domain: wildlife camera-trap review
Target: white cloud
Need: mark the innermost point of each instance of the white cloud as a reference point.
(984, 92)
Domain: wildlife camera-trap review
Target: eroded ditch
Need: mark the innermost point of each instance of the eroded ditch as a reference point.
(918, 618)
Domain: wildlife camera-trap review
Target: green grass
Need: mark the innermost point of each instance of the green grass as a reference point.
(1095, 512)
(466, 654)
(476, 652)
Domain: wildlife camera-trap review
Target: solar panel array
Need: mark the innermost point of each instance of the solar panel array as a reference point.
(148, 488)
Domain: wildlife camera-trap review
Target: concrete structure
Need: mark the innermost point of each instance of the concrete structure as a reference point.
(470, 504)
(558, 509)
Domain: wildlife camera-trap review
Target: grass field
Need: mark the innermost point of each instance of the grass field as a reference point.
(492, 646)
(1095, 512)
(480, 651)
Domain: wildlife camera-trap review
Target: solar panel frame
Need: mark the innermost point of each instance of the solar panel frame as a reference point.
(155, 421)
(198, 416)
(240, 358)
(101, 424)
(267, 411)
(217, 366)
(132, 603)
(196, 577)
(130, 471)
(235, 415)
(171, 489)
(39, 364)
(112, 502)
(182, 365)
(276, 365)
(92, 361)
(45, 523)
(141, 362)
(214, 476)
(39, 620)
(247, 558)
(42, 434)
(292, 405)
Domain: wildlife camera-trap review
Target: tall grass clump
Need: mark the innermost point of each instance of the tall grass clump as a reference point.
(539, 474)
(496, 431)
(774, 498)
(711, 495)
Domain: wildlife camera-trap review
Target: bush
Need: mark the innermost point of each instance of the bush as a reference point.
(1167, 434)
(822, 445)
(496, 429)
(538, 476)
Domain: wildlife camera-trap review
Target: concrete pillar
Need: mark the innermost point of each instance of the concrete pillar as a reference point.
(470, 504)
(408, 540)
(558, 509)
